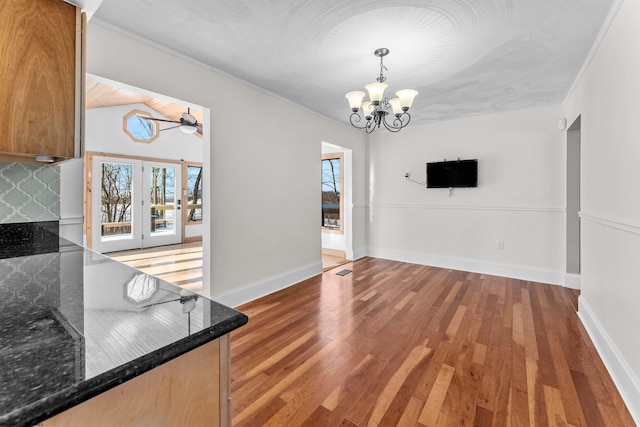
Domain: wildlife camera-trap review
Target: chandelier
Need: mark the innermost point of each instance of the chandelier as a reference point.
(376, 110)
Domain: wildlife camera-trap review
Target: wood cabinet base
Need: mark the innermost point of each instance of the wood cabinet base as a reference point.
(191, 390)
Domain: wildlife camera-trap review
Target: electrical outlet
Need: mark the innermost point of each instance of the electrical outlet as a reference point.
(499, 244)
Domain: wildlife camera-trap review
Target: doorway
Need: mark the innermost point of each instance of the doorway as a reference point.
(135, 204)
(572, 274)
(336, 205)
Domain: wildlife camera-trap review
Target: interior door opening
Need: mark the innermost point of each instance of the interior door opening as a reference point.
(336, 205)
(572, 276)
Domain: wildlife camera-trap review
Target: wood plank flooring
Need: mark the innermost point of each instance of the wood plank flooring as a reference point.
(397, 344)
(182, 264)
(178, 264)
(331, 261)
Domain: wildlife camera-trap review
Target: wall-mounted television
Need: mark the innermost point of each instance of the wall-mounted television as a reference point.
(452, 173)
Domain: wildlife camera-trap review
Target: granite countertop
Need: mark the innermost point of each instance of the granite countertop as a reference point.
(74, 323)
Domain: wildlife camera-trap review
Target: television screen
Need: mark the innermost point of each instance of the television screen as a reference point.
(454, 173)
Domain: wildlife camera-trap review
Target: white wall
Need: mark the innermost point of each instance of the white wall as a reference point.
(264, 168)
(608, 100)
(71, 200)
(519, 199)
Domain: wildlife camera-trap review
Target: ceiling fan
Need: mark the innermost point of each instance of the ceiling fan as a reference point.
(187, 123)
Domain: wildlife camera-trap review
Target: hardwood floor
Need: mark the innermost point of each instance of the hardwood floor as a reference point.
(410, 345)
(182, 264)
(330, 261)
(178, 264)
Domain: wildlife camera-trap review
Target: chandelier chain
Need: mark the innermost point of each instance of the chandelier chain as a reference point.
(382, 78)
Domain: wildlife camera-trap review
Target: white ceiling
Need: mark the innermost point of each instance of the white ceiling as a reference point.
(466, 57)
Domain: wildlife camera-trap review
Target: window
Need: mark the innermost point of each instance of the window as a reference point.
(194, 193)
(332, 184)
(140, 129)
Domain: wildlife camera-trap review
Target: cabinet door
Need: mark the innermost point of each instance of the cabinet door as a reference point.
(38, 77)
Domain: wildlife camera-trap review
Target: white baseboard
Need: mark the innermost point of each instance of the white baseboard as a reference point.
(505, 270)
(72, 220)
(71, 228)
(253, 291)
(360, 253)
(623, 376)
(572, 281)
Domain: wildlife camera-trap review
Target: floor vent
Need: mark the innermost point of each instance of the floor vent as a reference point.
(343, 272)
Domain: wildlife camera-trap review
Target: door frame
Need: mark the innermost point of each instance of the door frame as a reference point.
(347, 201)
(88, 200)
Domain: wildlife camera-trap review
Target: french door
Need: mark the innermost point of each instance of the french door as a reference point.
(135, 203)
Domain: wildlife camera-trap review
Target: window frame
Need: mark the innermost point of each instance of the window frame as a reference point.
(340, 157)
(140, 113)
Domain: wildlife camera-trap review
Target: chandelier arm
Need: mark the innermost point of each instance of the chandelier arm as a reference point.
(402, 120)
(408, 118)
(371, 124)
(391, 127)
(356, 120)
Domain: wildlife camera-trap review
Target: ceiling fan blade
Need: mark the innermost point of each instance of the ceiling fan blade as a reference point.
(159, 120)
(172, 127)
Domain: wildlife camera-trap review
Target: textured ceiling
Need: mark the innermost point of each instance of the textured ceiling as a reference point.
(466, 57)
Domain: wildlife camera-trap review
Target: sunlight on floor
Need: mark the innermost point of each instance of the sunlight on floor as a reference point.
(178, 264)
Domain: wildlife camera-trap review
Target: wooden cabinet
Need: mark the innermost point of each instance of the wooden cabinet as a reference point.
(41, 77)
(190, 390)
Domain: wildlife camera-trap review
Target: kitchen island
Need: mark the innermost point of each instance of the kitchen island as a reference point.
(86, 340)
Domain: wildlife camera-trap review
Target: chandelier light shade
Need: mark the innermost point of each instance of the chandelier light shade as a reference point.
(377, 108)
(355, 99)
(376, 91)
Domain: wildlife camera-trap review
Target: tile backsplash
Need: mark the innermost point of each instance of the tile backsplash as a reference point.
(29, 192)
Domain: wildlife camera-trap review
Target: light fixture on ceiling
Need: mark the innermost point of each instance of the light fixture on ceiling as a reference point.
(378, 107)
(188, 128)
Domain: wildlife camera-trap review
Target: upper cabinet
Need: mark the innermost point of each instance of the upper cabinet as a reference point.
(41, 80)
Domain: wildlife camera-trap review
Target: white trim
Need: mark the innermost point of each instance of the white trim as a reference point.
(71, 229)
(267, 286)
(521, 272)
(604, 28)
(360, 253)
(72, 220)
(572, 281)
(619, 224)
(470, 208)
(623, 376)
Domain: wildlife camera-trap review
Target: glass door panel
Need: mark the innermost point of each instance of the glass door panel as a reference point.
(116, 221)
(116, 198)
(163, 191)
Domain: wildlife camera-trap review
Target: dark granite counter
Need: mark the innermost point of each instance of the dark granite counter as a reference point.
(74, 324)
